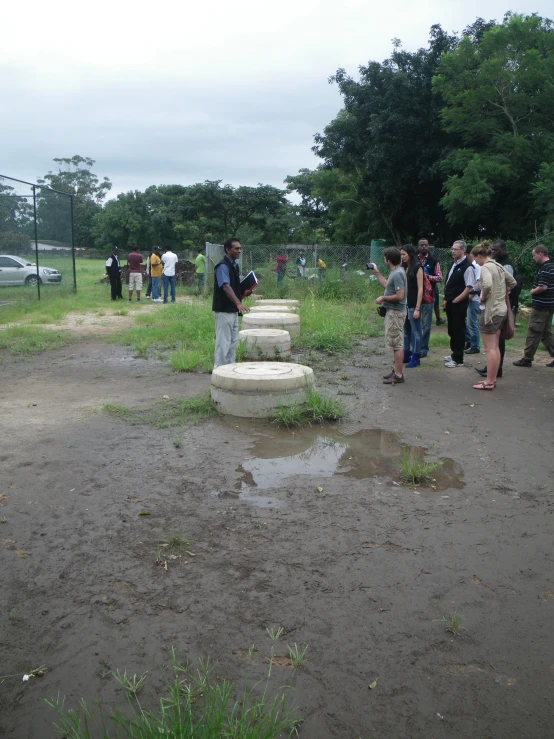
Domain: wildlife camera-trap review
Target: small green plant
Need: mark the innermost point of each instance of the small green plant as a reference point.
(3, 519)
(158, 551)
(275, 633)
(177, 441)
(316, 409)
(257, 524)
(297, 655)
(100, 372)
(452, 621)
(415, 470)
(175, 412)
(251, 652)
(132, 685)
(176, 541)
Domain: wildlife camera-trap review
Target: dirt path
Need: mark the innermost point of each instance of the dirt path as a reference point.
(360, 571)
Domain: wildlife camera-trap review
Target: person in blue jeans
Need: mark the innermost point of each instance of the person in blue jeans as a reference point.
(432, 268)
(169, 261)
(473, 337)
(412, 325)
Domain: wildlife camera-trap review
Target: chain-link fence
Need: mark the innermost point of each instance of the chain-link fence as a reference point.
(309, 261)
(37, 256)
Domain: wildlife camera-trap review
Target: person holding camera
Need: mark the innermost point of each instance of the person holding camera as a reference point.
(394, 305)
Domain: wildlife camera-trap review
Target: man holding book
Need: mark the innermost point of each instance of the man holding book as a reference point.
(226, 304)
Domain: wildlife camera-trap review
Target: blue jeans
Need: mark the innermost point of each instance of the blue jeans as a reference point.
(472, 329)
(155, 285)
(426, 318)
(169, 280)
(280, 276)
(412, 333)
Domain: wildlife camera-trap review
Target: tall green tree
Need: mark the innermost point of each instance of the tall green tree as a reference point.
(74, 176)
(498, 93)
(388, 139)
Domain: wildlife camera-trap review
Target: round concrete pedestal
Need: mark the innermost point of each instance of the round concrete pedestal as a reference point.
(285, 321)
(274, 309)
(255, 389)
(266, 343)
(277, 301)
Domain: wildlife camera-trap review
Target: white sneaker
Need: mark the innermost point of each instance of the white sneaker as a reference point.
(147, 297)
(452, 363)
(157, 300)
(448, 358)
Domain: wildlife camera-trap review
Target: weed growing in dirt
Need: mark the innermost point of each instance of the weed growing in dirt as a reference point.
(131, 685)
(415, 470)
(297, 655)
(275, 633)
(194, 706)
(177, 441)
(3, 519)
(452, 621)
(251, 652)
(316, 409)
(27, 340)
(330, 326)
(176, 412)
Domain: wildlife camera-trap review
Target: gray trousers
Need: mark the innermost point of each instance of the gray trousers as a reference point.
(226, 338)
(540, 329)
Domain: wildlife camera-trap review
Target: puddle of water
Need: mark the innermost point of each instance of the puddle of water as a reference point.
(323, 453)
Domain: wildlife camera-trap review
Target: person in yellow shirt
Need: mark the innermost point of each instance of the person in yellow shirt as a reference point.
(156, 274)
(321, 269)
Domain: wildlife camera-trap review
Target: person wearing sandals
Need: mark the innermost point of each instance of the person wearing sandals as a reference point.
(394, 303)
(494, 281)
(412, 326)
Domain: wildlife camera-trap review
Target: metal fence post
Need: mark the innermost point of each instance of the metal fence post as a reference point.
(73, 246)
(36, 238)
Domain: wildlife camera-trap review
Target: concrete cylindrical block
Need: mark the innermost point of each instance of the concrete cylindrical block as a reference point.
(277, 301)
(274, 309)
(266, 343)
(286, 321)
(256, 389)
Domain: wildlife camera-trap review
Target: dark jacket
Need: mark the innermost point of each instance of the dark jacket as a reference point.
(220, 302)
(456, 284)
(505, 260)
(113, 270)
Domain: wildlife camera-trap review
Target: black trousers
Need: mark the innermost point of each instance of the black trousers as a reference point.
(456, 317)
(115, 283)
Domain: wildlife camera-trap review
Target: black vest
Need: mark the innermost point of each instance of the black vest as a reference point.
(220, 302)
(113, 270)
(456, 284)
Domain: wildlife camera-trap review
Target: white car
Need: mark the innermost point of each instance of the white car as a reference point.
(18, 271)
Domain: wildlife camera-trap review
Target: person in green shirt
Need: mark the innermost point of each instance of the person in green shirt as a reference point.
(200, 262)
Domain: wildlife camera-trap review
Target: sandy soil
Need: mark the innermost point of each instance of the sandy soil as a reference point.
(360, 571)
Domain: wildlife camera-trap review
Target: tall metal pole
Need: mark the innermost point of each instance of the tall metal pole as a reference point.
(73, 247)
(36, 238)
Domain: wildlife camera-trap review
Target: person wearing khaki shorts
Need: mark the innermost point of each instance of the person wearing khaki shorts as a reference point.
(394, 301)
(134, 260)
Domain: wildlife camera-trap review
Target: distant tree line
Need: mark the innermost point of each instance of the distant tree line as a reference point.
(456, 138)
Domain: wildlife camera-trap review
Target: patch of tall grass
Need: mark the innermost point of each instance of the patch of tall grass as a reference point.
(27, 340)
(317, 408)
(167, 413)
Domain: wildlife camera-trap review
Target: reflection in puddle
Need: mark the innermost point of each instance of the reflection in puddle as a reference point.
(327, 452)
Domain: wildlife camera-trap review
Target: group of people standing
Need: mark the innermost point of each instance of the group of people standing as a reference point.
(479, 290)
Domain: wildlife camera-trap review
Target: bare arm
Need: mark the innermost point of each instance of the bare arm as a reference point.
(380, 277)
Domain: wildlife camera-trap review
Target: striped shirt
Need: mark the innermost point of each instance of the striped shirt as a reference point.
(545, 276)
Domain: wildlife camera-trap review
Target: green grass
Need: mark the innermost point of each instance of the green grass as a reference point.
(194, 706)
(415, 470)
(28, 340)
(452, 621)
(167, 413)
(317, 409)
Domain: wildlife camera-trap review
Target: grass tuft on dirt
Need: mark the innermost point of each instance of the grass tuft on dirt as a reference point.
(415, 470)
(318, 408)
(167, 413)
(193, 706)
(28, 340)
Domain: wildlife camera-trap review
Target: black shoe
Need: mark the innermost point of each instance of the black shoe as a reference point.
(523, 362)
(440, 321)
(387, 377)
(467, 346)
(550, 364)
(469, 350)
(482, 372)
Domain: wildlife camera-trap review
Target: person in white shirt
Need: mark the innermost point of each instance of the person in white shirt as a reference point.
(169, 260)
(473, 338)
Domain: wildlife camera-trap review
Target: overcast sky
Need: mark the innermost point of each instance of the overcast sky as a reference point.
(182, 92)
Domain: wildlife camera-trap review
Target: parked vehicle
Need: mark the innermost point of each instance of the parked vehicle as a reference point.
(18, 271)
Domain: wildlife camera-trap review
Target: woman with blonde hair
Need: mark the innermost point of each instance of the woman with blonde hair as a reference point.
(494, 282)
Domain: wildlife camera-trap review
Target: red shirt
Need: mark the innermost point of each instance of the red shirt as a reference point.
(281, 263)
(134, 260)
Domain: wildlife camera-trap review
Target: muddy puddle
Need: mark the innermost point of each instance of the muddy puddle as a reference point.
(323, 453)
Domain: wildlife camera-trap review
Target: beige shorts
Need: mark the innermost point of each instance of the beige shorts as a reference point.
(394, 329)
(135, 280)
(493, 326)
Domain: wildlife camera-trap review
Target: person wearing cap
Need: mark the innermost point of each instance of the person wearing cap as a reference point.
(114, 273)
(155, 267)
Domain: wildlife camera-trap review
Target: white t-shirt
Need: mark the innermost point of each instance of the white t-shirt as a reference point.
(169, 260)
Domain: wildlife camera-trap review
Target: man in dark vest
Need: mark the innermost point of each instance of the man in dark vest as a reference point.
(460, 280)
(226, 304)
(114, 273)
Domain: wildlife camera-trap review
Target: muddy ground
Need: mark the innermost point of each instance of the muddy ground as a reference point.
(361, 571)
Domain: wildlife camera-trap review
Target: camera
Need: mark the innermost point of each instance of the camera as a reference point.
(370, 265)
(475, 291)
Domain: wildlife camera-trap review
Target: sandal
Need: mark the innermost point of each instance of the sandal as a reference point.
(485, 386)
